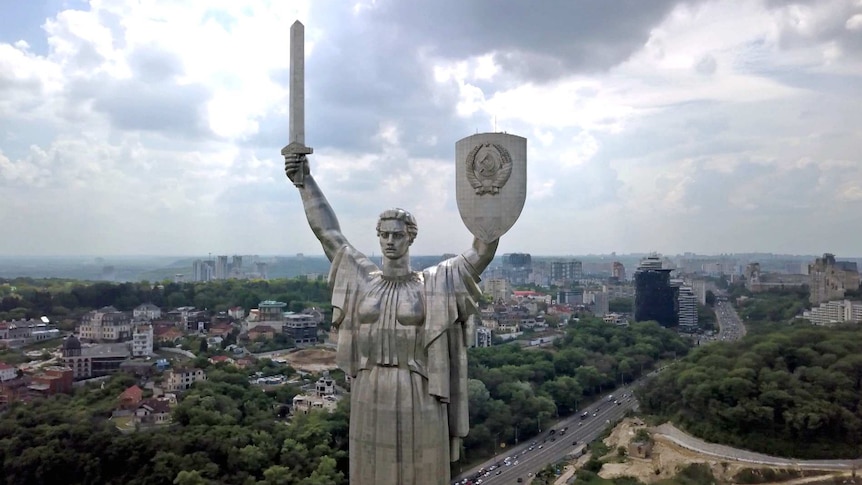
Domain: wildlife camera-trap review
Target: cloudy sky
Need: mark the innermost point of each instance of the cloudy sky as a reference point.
(154, 127)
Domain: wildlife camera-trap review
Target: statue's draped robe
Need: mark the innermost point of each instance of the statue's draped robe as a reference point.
(403, 343)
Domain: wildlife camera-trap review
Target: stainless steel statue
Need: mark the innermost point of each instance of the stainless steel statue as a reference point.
(403, 334)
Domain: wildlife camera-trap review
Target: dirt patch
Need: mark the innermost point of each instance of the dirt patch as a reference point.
(667, 458)
(311, 360)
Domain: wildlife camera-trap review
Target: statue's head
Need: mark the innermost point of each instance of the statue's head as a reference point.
(396, 230)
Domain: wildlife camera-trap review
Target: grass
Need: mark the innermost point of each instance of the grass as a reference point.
(124, 423)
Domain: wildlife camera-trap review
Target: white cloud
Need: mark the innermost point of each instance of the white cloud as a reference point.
(171, 114)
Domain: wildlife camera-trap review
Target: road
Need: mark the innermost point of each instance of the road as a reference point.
(730, 325)
(552, 448)
(685, 440)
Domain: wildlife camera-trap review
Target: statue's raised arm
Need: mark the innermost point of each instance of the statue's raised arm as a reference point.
(319, 213)
(481, 254)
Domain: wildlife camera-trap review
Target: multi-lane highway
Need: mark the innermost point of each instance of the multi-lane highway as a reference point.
(730, 325)
(529, 457)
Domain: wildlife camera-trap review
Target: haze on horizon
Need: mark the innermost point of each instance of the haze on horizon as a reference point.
(704, 126)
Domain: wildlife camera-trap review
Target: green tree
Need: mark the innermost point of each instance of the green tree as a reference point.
(190, 478)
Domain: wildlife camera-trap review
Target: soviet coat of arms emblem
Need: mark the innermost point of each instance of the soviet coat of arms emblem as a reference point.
(488, 166)
(490, 182)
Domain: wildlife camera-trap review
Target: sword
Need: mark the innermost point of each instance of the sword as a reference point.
(296, 108)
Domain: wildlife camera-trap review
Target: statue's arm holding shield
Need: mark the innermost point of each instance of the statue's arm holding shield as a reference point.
(481, 254)
(319, 213)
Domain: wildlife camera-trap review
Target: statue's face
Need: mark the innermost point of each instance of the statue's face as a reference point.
(394, 240)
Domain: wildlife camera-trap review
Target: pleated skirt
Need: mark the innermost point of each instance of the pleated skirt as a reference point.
(399, 434)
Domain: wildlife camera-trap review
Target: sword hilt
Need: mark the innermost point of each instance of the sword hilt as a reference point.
(296, 148)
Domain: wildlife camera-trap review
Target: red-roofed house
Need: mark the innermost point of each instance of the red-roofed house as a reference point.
(167, 334)
(52, 380)
(220, 358)
(131, 397)
(261, 332)
(220, 330)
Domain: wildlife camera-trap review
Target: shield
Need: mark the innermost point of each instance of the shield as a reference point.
(490, 182)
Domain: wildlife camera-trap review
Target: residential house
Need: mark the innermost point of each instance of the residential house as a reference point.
(147, 312)
(323, 397)
(7, 372)
(153, 411)
(142, 340)
(105, 325)
(616, 319)
(261, 332)
(220, 330)
(301, 327)
(216, 359)
(130, 398)
(167, 334)
(181, 379)
(51, 380)
(237, 312)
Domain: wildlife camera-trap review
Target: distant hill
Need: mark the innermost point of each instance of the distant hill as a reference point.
(159, 268)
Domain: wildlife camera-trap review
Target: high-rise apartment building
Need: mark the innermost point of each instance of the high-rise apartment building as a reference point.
(498, 289)
(566, 271)
(687, 305)
(260, 270)
(698, 286)
(600, 303)
(203, 270)
(618, 271)
(221, 269)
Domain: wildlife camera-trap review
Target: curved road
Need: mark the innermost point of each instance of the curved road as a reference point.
(688, 441)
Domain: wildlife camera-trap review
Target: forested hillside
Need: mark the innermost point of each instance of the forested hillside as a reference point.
(516, 391)
(793, 393)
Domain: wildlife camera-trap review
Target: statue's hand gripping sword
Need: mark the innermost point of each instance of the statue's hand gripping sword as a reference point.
(297, 100)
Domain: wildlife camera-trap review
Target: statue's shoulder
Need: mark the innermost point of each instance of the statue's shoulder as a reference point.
(350, 257)
(456, 263)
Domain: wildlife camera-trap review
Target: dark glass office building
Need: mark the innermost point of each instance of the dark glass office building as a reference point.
(655, 298)
(517, 267)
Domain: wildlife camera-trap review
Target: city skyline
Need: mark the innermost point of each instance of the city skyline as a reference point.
(708, 126)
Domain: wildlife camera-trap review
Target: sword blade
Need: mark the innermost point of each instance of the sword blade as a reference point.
(296, 101)
(297, 83)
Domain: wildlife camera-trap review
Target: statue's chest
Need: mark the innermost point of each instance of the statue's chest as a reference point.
(390, 302)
